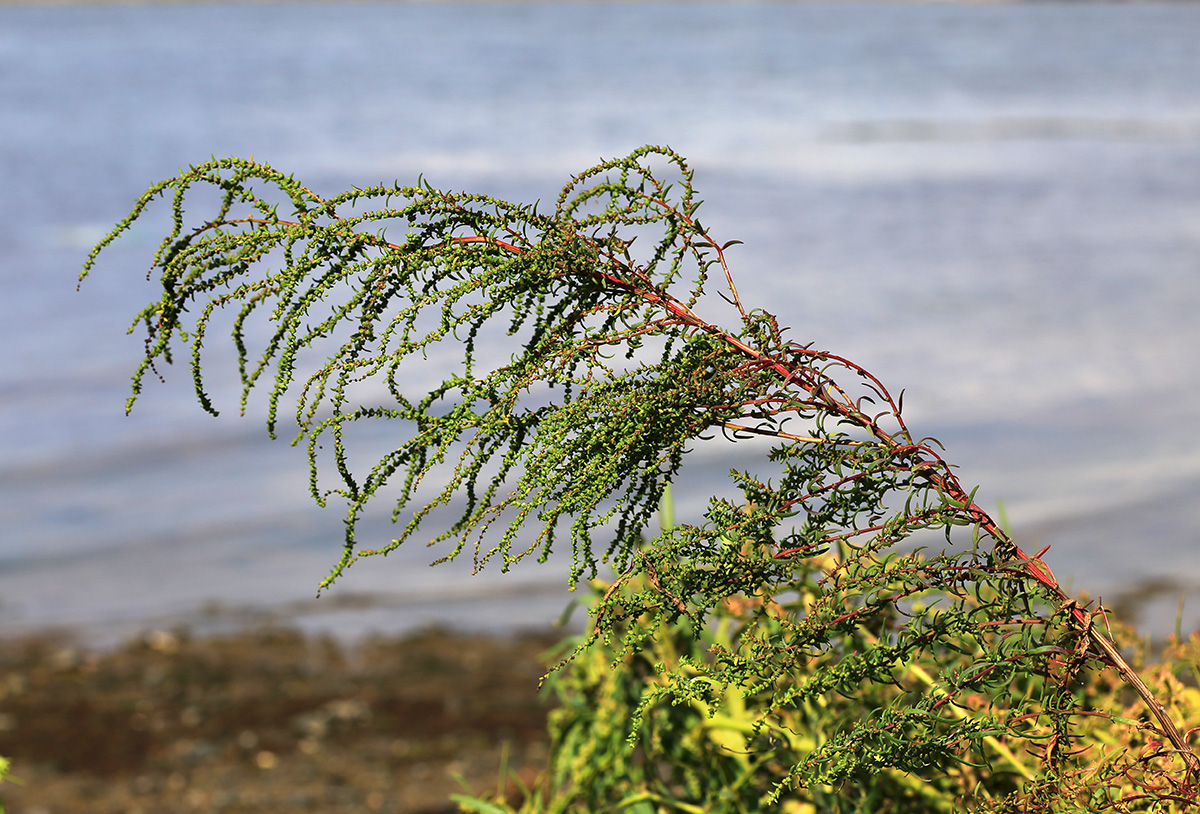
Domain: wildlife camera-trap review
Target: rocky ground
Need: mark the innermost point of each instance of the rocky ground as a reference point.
(267, 721)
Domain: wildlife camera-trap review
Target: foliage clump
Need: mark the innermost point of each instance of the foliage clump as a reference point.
(853, 627)
(630, 734)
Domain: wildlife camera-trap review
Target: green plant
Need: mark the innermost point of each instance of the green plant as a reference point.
(620, 744)
(5, 765)
(862, 654)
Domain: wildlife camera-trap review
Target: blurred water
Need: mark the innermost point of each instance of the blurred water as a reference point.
(995, 207)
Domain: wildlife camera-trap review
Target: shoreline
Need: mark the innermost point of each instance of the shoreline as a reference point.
(490, 609)
(269, 719)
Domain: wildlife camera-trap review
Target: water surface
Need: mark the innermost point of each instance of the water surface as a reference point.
(994, 207)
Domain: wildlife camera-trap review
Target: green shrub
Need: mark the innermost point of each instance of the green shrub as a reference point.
(854, 633)
(627, 734)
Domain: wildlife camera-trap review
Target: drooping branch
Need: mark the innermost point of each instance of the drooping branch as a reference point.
(616, 373)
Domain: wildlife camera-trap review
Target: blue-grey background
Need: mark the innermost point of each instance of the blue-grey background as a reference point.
(994, 207)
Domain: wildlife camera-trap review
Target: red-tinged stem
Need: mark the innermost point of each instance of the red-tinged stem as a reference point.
(1033, 567)
(1040, 572)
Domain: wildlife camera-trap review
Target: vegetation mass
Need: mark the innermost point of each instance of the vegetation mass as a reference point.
(852, 632)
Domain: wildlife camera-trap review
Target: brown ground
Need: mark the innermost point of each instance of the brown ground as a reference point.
(266, 721)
